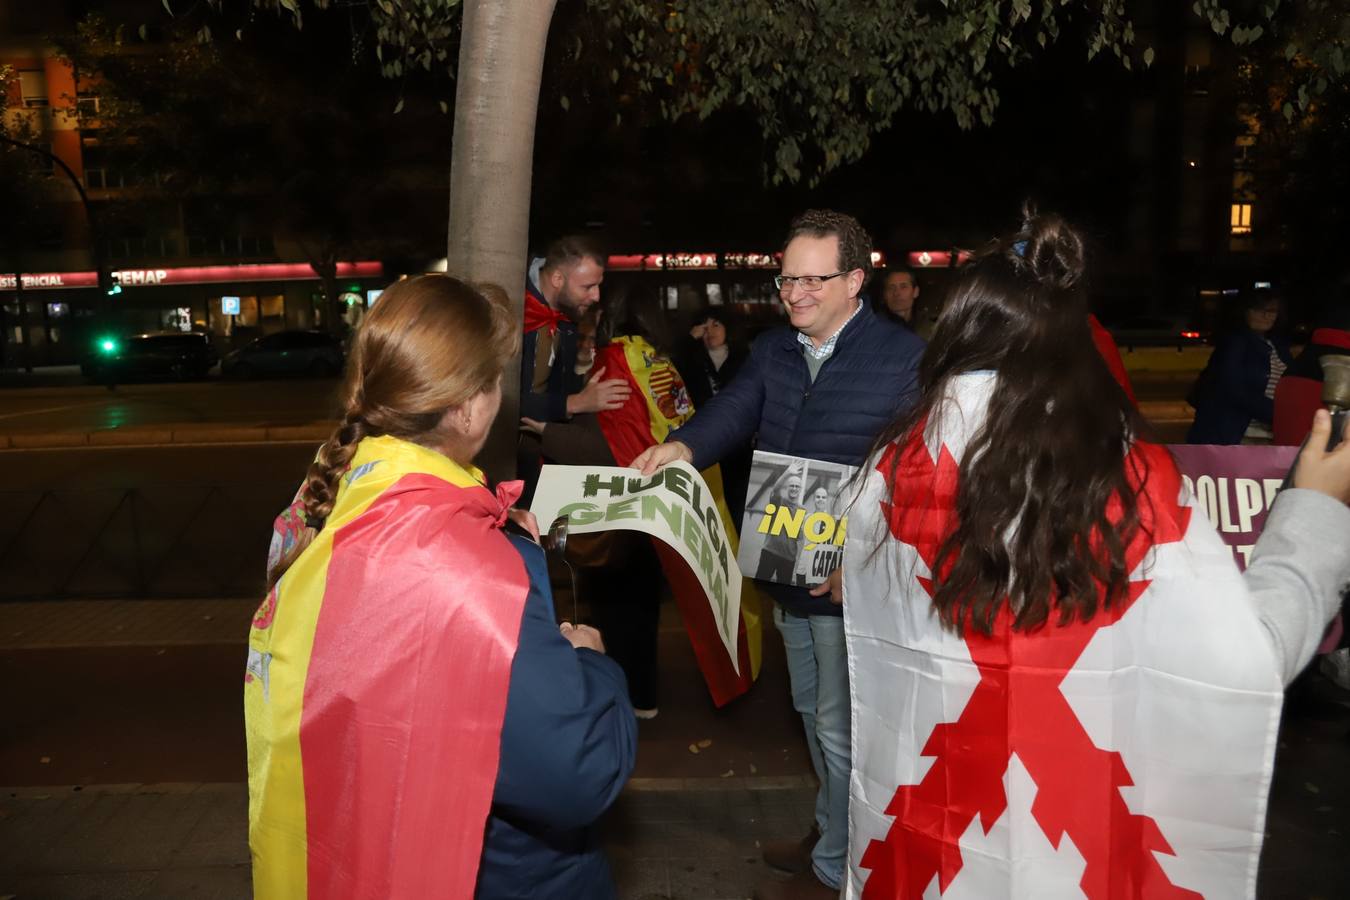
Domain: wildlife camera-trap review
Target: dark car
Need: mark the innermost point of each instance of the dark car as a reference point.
(1155, 331)
(178, 355)
(314, 353)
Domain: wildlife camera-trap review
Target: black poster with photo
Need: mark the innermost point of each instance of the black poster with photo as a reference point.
(795, 519)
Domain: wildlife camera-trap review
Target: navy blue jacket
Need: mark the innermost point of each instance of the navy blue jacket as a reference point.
(1231, 391)
(869, 380)
(569, 742)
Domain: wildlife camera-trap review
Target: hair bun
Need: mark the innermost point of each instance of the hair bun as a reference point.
(1048, 249)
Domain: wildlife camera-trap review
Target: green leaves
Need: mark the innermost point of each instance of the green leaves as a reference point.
(821, 78)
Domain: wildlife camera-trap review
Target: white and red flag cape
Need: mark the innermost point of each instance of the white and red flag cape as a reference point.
(1126, 757)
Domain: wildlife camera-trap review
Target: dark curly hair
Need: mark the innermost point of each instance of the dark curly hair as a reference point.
(855, 244)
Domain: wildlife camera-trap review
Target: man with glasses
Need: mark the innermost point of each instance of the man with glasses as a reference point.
(823, 389)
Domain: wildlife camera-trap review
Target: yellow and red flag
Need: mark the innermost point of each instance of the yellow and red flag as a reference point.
(376, 685)
(657, 406)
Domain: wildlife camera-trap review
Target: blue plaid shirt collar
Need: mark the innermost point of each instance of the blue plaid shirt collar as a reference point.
(825, 350)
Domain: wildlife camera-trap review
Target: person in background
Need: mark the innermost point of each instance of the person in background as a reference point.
(1050, 646)
(710, 359)
(560, 287)
(899, 292)
(1299, 393)
(586, 329)
(1234, 395)
(418, 724)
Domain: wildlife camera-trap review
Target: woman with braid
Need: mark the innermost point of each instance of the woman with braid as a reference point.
(418, 725)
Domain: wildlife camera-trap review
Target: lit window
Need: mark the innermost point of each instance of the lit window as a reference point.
(33, 87)
(1240, 220)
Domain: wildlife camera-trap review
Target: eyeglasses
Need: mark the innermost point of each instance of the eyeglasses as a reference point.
(809, 283)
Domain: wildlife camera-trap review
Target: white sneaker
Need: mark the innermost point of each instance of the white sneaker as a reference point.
(646, 713)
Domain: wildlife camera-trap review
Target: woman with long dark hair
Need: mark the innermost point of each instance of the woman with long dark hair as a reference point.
(418, 724)
(1061, 682)
(1234, 397)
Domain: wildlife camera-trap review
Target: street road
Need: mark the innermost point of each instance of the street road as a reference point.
(293, 402)
(190, 521)
(92, 408)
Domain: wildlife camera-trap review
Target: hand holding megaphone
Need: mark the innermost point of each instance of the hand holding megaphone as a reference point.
(1336, 395)
(1327, 470)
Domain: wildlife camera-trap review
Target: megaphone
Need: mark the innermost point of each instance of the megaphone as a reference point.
(1336, 393)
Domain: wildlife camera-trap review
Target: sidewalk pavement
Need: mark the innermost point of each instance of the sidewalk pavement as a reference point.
(694, 839)
(106, 697)
(132, 677)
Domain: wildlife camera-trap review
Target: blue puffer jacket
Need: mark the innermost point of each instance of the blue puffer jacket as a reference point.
(569, 742)
(869, 380)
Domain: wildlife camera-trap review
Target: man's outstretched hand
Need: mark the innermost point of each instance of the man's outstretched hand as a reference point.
(653, 458)
(834, 586)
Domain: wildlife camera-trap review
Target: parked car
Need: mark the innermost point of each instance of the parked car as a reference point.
(177, 354)
(314, 353)
(1156, 331)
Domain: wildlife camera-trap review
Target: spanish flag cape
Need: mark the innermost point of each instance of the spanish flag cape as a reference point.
(658, 405)
(376, 685)
(1121, 758)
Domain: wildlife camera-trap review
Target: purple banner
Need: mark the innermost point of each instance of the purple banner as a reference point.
(1234, 487)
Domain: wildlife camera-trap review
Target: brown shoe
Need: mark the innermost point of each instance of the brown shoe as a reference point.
(802, 886)
(792, 856)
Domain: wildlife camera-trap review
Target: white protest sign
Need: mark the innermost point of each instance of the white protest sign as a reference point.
(673, 505)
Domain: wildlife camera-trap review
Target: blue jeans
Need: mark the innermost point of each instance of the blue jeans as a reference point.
(818, 669)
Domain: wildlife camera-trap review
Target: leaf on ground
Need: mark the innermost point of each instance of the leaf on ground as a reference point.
(693, 748)
(704, 744)
(1311, 788)
(727, 774)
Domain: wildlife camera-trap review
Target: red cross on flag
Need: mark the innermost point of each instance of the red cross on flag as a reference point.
(1126, 757)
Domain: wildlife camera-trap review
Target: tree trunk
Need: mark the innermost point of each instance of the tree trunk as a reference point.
(501, 60)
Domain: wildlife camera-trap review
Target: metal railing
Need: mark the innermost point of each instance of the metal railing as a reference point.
(157, 541)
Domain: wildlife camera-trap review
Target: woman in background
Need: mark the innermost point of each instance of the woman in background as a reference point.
(712, 357)
(1234, 397)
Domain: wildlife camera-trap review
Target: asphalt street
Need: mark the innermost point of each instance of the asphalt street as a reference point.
(80, 407)
(61, 402)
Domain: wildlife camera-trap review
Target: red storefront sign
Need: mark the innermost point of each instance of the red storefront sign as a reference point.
(47, 281)
(656, 262)
(937, 259)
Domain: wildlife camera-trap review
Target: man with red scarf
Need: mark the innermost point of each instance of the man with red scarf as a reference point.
(559, 288)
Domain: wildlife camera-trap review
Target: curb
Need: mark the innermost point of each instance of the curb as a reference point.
(186, 434)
